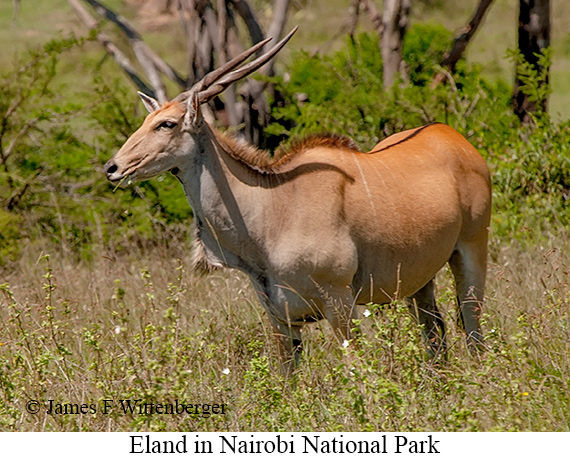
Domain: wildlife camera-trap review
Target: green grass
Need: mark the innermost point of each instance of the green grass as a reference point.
(143, 327)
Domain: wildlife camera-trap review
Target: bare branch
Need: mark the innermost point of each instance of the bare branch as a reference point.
(460, 44)
(275, 30)
(244, 10)
(190, 27)
(26, 127)
(119, 57)
(222, 31)
(213, 76)
(277, 25)
(375, 17)
(231, 44)
(210, 30)
(204, 56)
(348, 27)
(16, 12)
(17, 195)
(211, 21)
(354, 12)
(395, 22)
(141, 50)
(121, 22)
(166, 69)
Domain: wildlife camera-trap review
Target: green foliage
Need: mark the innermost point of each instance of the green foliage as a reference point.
(32, 129)
(423, 48)
(262, 384)
(534, 77)
(51, 156)
(52, 150)
(331, 93)
(344, 94)
(531, 175)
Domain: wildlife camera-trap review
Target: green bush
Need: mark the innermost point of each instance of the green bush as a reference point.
(343, 93)
(51, 155)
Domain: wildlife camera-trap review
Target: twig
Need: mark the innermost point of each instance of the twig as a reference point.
(460, 44)
(244, 9)
(275, 31)
(140, 49)
(375, 17)
(119, 57)
(16, 12)
(19, 135)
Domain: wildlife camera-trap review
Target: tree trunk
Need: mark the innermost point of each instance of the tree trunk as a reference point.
(534, 38)
(395, 22)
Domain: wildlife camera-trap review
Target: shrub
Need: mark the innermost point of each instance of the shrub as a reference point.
(51, 156)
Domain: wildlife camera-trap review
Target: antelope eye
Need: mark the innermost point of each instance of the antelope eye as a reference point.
(166, 125)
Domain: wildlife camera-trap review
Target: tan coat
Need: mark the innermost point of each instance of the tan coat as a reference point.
(324, 226)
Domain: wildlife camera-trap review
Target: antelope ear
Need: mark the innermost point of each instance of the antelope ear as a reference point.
(193, 114)
(149, 103)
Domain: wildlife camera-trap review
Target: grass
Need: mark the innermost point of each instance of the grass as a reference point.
(144, 327)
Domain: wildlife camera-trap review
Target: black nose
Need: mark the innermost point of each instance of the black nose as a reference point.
(110, 167)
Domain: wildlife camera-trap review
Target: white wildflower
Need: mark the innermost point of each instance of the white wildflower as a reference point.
(366, 313)
(226, 371)
(345, 343)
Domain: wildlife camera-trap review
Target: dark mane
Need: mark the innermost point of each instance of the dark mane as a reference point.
(262, 161)
(319, 141)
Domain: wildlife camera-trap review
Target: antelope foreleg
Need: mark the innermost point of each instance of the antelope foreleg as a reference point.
(290, 346)
(340, 311)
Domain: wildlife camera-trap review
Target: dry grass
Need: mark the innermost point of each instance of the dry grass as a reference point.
(143, 327)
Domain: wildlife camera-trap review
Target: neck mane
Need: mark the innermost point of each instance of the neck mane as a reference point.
(262, 161)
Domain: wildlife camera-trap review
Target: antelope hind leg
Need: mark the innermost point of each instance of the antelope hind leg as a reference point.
(468, 265)
(423, 307)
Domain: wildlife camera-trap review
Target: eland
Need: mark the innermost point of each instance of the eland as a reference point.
(322, 226)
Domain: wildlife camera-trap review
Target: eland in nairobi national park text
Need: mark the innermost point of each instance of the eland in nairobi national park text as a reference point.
(322, 226)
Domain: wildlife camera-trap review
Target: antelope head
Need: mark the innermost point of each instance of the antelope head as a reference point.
(168, 135)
